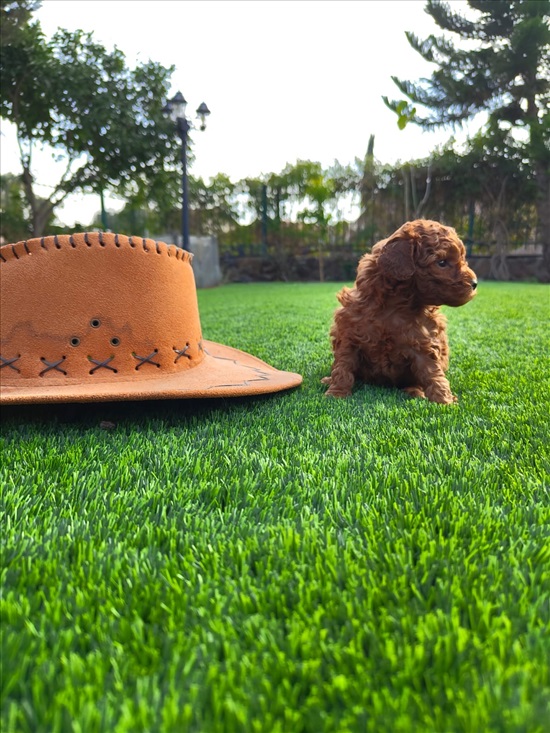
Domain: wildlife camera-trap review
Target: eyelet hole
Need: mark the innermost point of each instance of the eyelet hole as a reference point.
(75, 341)
(95, 323)
(115, 341)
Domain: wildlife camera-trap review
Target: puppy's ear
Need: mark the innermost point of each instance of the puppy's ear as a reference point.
(396, 259)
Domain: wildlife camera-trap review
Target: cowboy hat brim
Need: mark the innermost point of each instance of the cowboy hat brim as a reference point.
(224, 372)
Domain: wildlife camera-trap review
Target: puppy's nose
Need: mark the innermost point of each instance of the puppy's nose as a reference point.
(474, 284)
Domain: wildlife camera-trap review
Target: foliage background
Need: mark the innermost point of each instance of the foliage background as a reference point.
(490, 188)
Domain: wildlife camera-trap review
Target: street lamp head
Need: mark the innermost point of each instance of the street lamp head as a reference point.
(178, 104)
(202, 114)
(175, 108)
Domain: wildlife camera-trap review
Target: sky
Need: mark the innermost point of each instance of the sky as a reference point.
(285, 80)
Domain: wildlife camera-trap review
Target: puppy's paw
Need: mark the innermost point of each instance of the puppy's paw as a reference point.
(442, 398)
(326, 380)
(415, 392)
(452, 400)
(335, 392)
(440, 392)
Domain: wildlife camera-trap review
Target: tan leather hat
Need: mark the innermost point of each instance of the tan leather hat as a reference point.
(89, 317)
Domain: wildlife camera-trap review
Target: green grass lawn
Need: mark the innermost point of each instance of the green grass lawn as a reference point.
(288, 563)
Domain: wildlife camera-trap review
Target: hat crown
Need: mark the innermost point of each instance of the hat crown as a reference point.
(96, 307)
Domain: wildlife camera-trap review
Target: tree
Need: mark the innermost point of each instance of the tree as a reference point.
(367, 188)
(101, 119)
(14, 212)
(213, 205)
(345, 183)
(14, 218)
(506, 75)
(15, 14)
(492, 179)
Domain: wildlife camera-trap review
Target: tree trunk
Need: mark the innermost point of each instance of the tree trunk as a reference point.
(543, 217)
(422, 204)
(499, 261)
(406, 184)
(41, 210)
(41, 215)
(499, 269)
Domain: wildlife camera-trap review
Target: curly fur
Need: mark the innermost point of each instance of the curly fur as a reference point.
(388, 330)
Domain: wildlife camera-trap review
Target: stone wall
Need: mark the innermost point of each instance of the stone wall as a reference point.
(206, 258)
(206, 261)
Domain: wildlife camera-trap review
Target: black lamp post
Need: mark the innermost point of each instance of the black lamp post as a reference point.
(175, 109)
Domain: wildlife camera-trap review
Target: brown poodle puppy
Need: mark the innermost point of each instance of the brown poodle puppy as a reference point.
(388, 330)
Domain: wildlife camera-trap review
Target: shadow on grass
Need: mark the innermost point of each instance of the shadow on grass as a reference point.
(109, 415)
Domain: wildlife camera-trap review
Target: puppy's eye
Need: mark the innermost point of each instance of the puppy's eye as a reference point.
(442, 263)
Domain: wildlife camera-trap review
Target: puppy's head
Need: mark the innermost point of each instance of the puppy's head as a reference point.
(432, 259)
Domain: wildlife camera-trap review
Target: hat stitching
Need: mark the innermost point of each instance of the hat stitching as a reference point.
(75, 341)
(102, 364)
(182, 352)
(10, 362)
(146, 359)
(104, 239)
(52, 366)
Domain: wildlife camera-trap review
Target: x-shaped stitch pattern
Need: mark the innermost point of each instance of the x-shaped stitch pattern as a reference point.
(182, 352)
(52, 365)
(9, 363)
(146, 359)
(102, 364)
